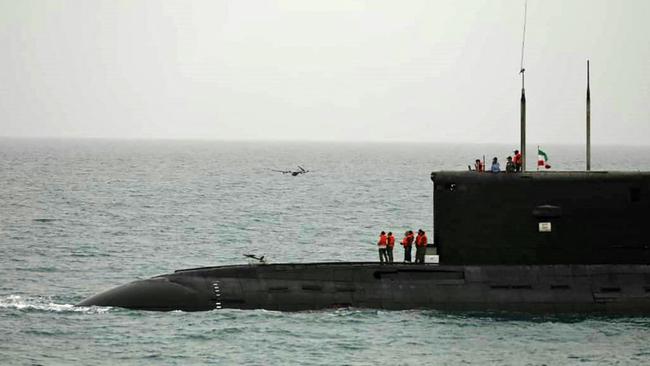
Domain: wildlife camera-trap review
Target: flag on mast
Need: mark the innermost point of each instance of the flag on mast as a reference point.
(542, 159)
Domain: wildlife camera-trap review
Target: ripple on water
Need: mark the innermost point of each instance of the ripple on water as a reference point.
(41, 304)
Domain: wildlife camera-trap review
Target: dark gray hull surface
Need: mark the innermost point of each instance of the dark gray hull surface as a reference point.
(607, 289)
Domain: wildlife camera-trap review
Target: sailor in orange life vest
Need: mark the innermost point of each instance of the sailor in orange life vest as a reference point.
(381, 244)
(420, 246)
(517, 160)
(390, 246)
(407, 243)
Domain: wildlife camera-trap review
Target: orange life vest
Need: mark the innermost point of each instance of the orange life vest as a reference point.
(421, 240)
(408, 240)
(391, 241)
(382, 241)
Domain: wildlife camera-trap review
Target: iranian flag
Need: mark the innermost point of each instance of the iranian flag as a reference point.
(542, 159)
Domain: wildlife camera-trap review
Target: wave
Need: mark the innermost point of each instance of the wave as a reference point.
(18, 302)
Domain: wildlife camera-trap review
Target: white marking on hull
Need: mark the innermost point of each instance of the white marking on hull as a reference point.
(217, 293)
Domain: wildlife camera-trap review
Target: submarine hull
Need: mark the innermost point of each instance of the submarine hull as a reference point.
(606, 289)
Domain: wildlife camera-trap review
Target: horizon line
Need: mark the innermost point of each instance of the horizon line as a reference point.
(249, 140)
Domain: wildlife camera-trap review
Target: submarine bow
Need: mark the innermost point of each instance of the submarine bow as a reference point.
(163, 293)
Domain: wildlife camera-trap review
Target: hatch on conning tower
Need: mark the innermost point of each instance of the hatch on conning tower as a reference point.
(541, 217)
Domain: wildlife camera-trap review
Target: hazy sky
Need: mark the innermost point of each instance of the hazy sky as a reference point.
(324, 70)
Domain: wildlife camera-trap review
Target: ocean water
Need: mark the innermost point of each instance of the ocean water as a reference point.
(81, 216)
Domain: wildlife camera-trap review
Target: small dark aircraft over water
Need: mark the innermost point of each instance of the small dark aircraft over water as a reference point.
(293, 172)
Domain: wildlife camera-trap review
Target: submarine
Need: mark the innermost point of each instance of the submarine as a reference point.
(532, 242)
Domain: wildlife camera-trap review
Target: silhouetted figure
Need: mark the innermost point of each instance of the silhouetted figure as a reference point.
(381, 245)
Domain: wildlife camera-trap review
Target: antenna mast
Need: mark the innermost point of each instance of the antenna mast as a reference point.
(522, 109)
(588, 121)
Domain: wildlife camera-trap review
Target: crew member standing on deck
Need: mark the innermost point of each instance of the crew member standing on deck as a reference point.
(381, 244)
(478, 166)
(407, 243)
(517, 160)
(420, 246)
(510, 166)
(495, 168)
(389, 247)
(417, 240)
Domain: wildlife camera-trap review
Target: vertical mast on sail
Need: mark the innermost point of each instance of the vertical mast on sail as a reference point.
(522, 70)
(588, 121)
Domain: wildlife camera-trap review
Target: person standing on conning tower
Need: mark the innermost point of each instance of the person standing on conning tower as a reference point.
(381, 244)
(510, 166)
(517, 160)
(478, 166)
(495, 168)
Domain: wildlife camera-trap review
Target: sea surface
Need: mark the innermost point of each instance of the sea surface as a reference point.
(81, 216)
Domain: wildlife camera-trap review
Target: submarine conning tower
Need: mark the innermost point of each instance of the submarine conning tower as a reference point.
(539, 218)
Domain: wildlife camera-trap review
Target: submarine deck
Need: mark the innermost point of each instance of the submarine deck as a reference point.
(313, 264)
(606, 288)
